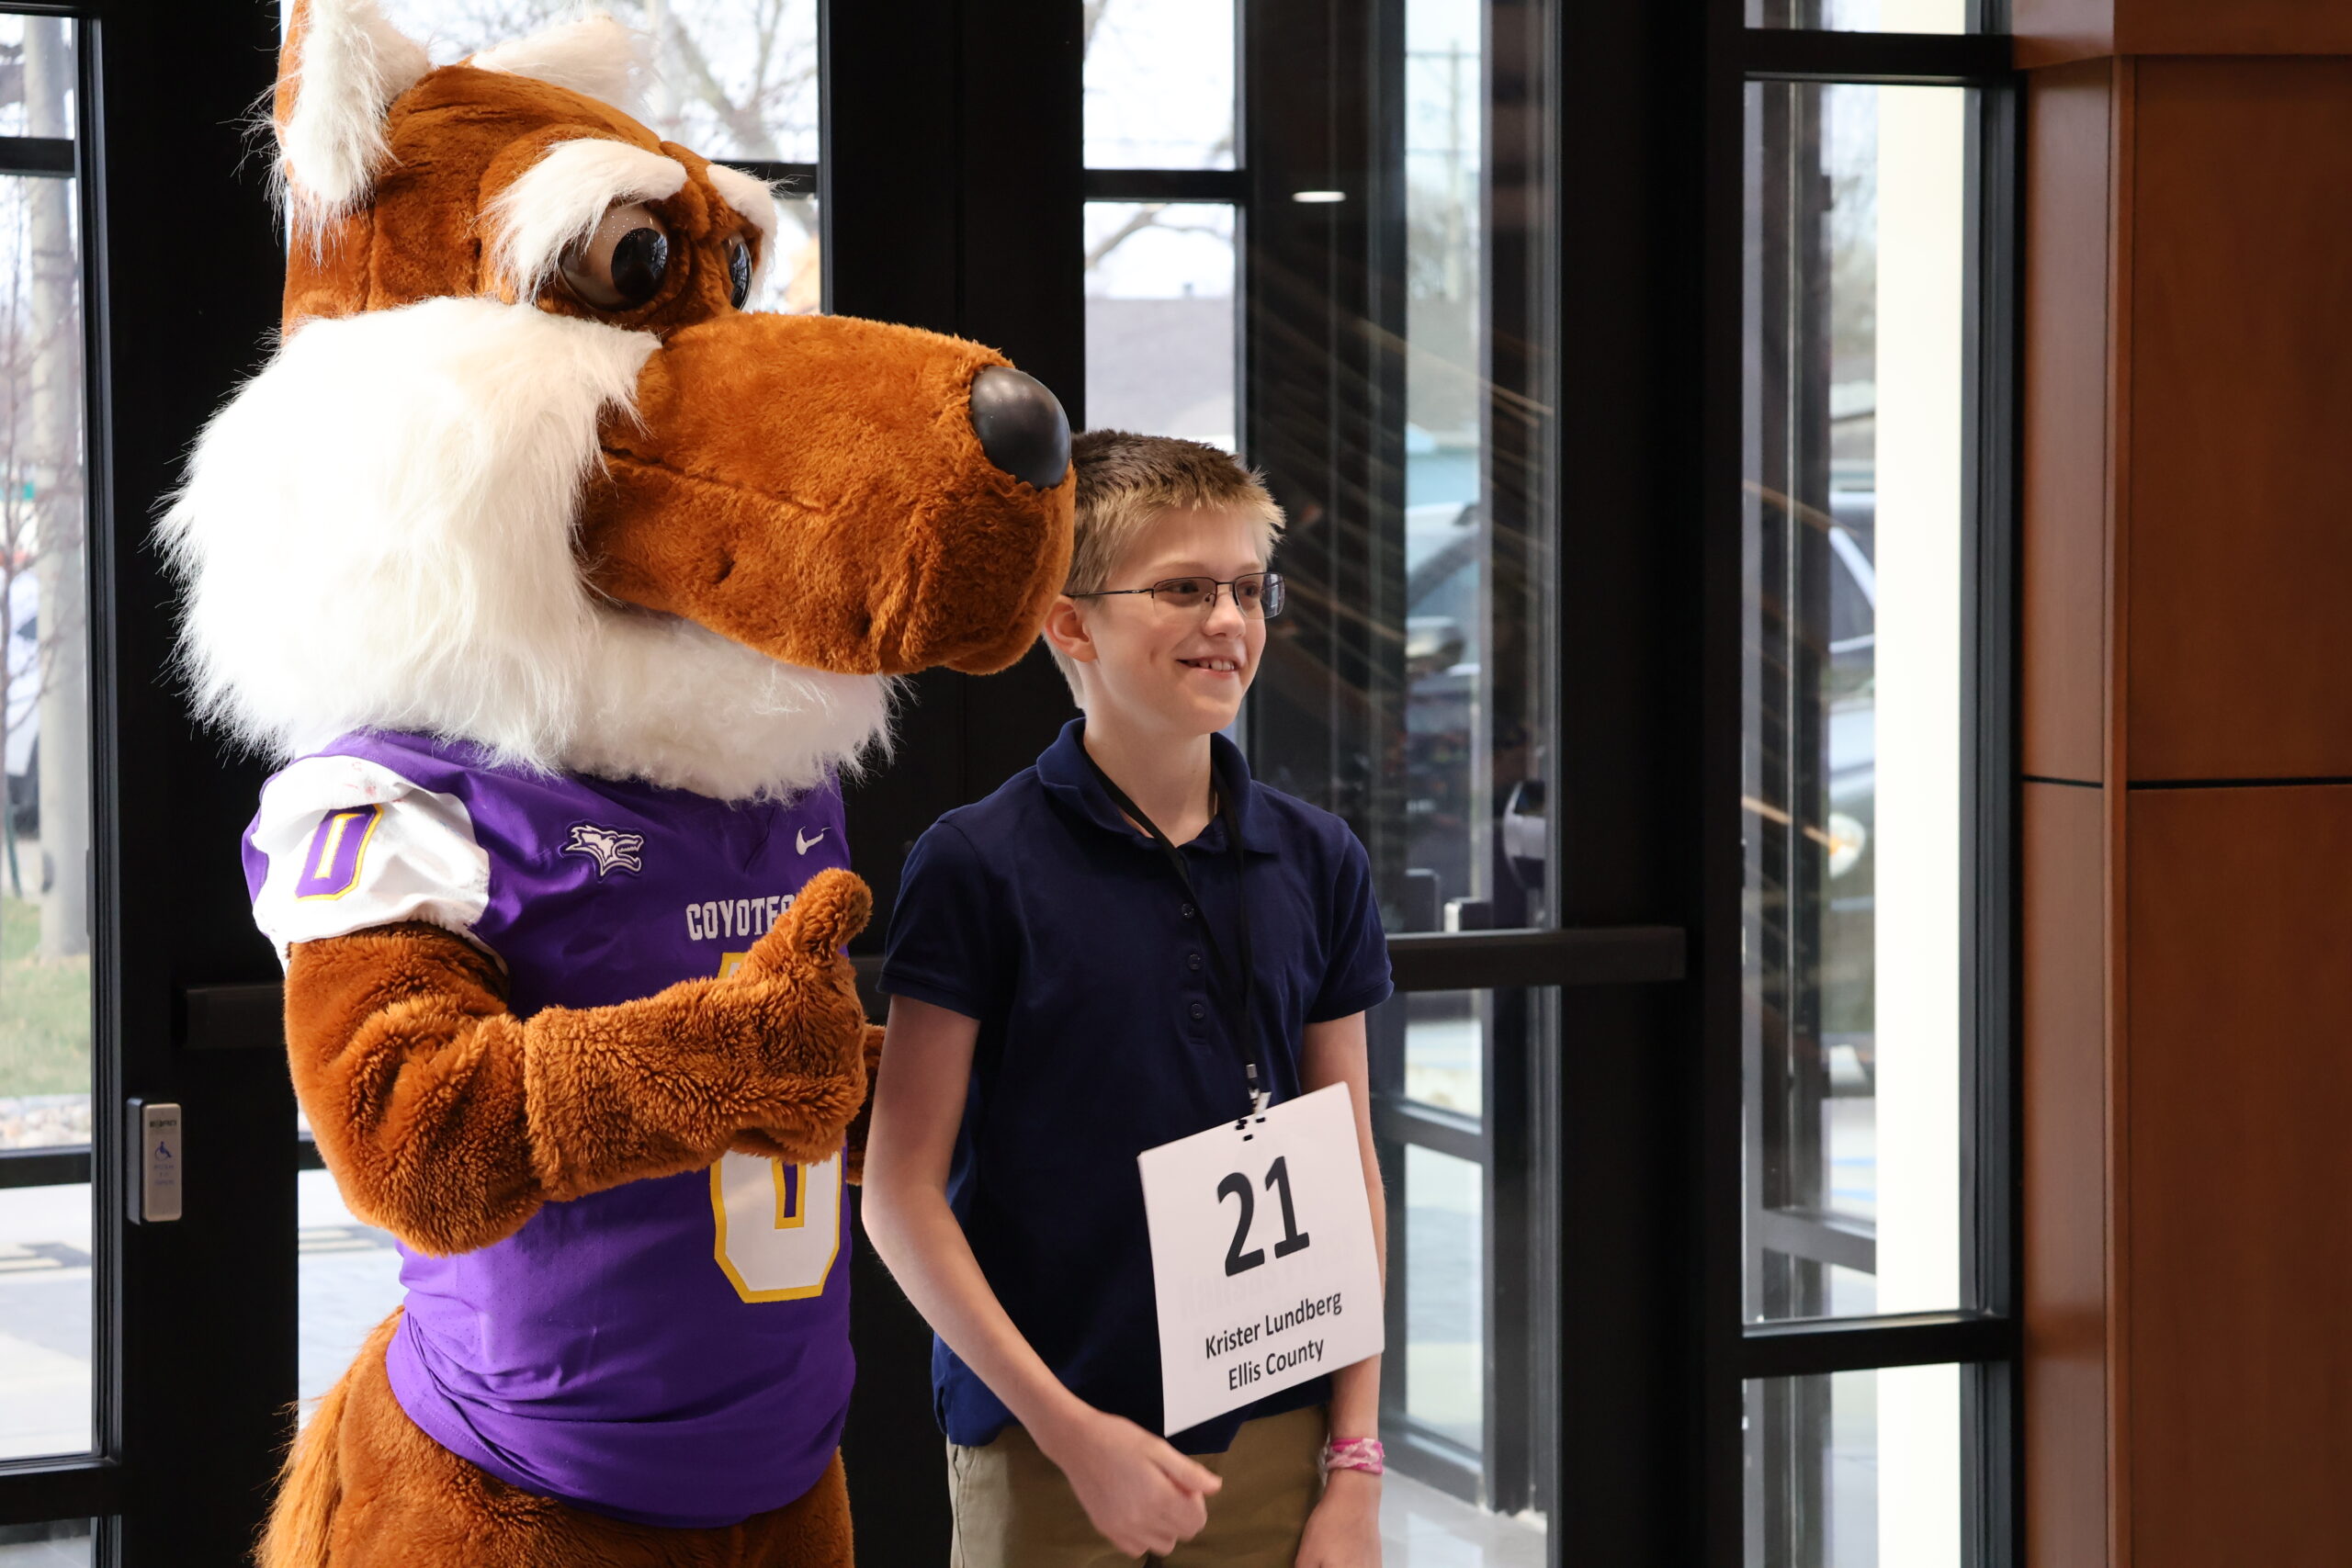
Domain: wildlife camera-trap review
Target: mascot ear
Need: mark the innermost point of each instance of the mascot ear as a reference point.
(342, 67)
(595, 56)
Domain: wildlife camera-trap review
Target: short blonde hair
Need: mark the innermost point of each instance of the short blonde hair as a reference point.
(1126, 481)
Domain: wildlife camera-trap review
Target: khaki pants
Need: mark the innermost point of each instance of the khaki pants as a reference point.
(1015, 1510)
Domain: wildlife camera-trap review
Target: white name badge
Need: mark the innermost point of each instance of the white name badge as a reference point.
(1261, 1255)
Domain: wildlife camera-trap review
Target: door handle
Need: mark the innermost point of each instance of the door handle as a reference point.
(235, 1018)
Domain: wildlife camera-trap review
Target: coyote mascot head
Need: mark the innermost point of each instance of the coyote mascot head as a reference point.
(566, 589)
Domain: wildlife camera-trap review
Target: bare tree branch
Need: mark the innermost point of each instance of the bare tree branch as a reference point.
(1144, 216)
(748, 127)
(1157, 215)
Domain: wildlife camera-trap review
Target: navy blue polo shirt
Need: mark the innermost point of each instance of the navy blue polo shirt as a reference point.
(1104, 1033)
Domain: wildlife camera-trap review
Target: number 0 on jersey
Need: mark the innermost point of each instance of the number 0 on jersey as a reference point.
(779, 1226)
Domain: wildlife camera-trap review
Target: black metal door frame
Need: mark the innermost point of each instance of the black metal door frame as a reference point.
(194, 1321)
(1739, 1202)
(950, 198)
(953, 189)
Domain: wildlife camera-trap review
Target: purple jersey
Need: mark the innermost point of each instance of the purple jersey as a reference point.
(672, 1351)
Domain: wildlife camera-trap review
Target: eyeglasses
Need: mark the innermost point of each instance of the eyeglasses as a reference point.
(1258, 594)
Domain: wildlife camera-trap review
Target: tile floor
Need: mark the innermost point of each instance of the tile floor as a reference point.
(1419, 1527)
(349, 1280)
(1423, 1528)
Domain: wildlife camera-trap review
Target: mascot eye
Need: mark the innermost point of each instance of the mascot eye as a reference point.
(738, 273)
(622, 264)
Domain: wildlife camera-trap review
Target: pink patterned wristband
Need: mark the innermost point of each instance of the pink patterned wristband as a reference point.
(1359, 1453)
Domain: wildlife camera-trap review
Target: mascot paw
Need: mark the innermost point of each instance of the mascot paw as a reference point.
(811, 1037)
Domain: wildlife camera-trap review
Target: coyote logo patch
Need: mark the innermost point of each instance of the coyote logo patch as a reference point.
(611, 849)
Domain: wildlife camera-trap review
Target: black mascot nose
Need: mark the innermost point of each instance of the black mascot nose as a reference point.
(1021, 425)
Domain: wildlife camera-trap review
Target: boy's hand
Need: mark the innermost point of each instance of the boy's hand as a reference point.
(1142, 1495)
(1344, 1529)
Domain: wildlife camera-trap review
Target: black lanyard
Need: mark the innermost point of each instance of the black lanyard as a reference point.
(1243, 1021)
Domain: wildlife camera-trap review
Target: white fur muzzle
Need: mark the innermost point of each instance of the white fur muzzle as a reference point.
(378, 531)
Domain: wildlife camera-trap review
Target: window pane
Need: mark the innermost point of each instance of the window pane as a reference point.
(1159, 323)
(1401, 396)
(1441, 1064)
(350, 1282)
(1865, 16)
(50, 112)
(45, 1291)
(44, 1320)
(794, 284)
(1445, 1321)
(1449, 845)
(731, 78)
(1854, 740)
(1855, 1469)
(1445, 1049)
(1408, 688)
(60, 1543)
(1438, 1048)
(1160, 83)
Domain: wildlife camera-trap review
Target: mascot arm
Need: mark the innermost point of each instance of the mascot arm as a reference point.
(450, 1120)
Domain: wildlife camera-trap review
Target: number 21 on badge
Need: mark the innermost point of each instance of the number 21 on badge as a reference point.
(1294, 1239)
(1261, 1255)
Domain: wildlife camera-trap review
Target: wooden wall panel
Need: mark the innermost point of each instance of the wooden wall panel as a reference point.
(2064, 947)
(2053, 32)
(2188, 952)
(2240, 1176)
(2064, 533)
(2237, 27)
(2241, 394)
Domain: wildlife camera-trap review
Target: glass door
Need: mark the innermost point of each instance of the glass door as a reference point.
(48, 1387)
(1874, 509)
(146, 1291)
(1400, 356)
(1339, 267)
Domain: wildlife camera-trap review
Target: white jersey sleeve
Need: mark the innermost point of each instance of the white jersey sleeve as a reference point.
(351, 845)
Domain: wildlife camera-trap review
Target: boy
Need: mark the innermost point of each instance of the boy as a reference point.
(1058, 1007)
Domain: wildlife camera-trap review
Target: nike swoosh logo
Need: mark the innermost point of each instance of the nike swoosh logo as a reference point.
(806, 841)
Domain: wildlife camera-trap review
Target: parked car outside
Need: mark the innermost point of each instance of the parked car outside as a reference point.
(1444, 552)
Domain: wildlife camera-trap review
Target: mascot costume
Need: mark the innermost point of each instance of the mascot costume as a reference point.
(568, 590)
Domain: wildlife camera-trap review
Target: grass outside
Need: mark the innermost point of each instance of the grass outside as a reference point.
(44, 1010)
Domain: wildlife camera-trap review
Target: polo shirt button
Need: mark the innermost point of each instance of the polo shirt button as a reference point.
(1193, 961)
(1188, 912)
(1198, 1011)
